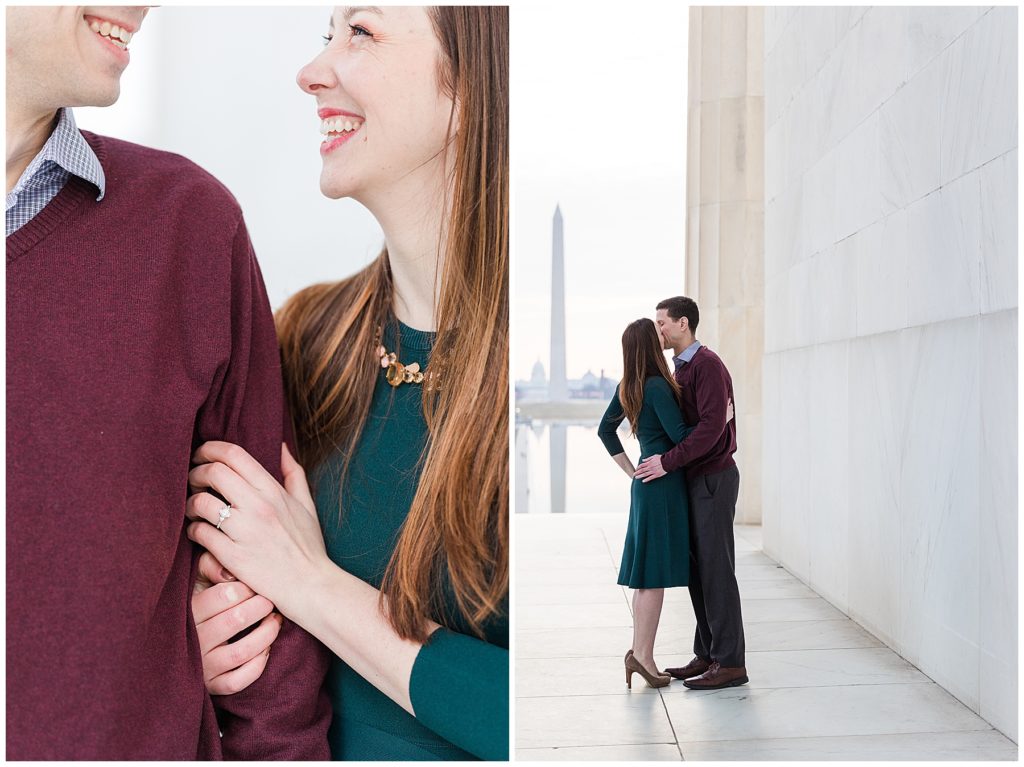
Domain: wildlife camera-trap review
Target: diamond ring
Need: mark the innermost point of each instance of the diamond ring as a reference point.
(223, 514)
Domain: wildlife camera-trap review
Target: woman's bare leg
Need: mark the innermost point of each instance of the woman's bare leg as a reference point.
(646, 615)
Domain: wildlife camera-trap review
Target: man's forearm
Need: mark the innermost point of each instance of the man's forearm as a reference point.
(698, 443)
(285, 714)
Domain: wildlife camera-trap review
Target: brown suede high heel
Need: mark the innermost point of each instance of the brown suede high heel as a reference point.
(633, 666)
(660, 673)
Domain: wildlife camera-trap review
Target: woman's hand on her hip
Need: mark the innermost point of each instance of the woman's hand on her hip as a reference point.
(222, 606)
(269, 535)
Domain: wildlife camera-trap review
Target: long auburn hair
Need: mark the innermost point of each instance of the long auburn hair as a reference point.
(642, 358)
(458, 522)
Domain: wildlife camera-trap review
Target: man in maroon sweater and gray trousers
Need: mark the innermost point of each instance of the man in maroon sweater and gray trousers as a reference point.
(713, 481)
(138, 328)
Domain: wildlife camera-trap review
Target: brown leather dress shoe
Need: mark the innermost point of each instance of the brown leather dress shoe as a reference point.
(716, 677)
(695, 667)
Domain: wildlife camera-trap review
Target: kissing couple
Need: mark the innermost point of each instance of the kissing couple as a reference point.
(683, 496)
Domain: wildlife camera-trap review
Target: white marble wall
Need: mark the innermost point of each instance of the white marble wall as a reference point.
(890, 370)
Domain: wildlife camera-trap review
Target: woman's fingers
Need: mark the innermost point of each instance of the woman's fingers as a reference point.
(225, 480)
(204, 506)
(295, 483)
(213, 540)
(237, 680)
(217, 599)
(225, 624)
(238, 460)
(229, 657)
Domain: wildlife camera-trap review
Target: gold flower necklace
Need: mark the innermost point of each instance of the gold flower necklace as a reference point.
(398, 374)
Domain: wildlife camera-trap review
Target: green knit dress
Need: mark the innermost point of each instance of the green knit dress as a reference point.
(656, 553)
(460, 685)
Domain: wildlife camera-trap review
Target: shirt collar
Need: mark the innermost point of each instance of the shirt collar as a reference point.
(687, 353)
(67, 148)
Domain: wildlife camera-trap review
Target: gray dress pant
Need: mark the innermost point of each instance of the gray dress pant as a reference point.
(713, 589)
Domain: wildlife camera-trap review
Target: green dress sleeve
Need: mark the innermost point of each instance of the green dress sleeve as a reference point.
(610, 423)
(459, 689)
(659, 395)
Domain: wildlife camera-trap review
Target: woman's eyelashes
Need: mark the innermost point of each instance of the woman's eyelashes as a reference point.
(355, 31)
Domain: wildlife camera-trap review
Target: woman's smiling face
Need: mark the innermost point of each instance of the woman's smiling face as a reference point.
(383, 115)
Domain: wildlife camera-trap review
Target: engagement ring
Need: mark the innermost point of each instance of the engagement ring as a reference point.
(224, 514)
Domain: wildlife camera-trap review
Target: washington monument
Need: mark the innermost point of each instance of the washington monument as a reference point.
(558, 388)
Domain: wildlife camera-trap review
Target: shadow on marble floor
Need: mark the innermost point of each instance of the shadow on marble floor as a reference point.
(821, 687)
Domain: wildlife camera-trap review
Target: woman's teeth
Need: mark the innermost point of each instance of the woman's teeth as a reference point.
(339, 125)
(112, 32)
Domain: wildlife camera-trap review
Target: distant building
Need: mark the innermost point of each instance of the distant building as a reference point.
(558, 385)
(536, 389)
(537, 376)
(590, 386)
(559, 388)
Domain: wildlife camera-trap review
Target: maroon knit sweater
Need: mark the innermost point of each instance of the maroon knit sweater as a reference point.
(138, 327)
(706, 390)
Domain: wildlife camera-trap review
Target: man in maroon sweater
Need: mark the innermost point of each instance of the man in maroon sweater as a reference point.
(138, 327)
(713, 481)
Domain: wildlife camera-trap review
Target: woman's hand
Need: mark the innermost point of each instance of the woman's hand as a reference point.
(271, 537)
(222, 607)
(730, 412)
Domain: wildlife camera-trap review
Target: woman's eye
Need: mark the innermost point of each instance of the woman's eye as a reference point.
(358, 31)
(327, 39)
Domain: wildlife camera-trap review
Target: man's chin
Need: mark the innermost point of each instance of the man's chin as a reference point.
(110, 99)
(105, 97)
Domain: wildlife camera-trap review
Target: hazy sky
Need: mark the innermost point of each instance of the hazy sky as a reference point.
(599, 126)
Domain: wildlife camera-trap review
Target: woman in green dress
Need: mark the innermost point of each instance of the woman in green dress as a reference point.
(397, 381)
(656, 554)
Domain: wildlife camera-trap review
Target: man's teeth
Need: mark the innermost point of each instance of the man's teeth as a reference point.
(339, 125)
(116, 35)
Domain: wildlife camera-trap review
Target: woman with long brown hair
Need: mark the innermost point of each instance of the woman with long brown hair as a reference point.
(656, 552)
(397, 380)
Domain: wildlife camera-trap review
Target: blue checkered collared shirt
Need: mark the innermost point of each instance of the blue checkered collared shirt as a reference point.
(64, 154)
(687, 354)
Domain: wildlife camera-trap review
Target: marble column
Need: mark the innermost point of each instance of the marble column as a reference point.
(725, 214)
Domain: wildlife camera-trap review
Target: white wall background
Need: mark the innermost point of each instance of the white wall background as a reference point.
(217, 85)
(890, 377)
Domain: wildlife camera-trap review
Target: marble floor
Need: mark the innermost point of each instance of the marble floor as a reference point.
(821, 687)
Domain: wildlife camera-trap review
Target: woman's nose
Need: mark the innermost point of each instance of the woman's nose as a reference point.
(315, 76)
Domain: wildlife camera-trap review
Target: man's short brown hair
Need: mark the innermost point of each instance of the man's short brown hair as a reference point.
(681, 306)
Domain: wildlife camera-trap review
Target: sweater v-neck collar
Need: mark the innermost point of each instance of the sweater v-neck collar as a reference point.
(75, 192)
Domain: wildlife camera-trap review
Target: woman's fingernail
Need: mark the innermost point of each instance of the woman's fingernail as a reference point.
(226, 575)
